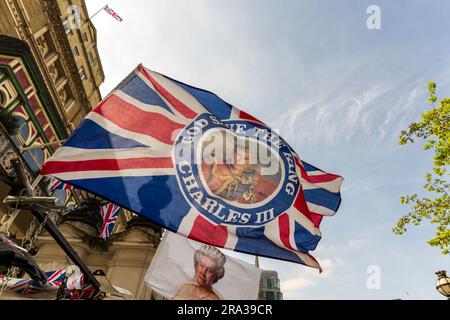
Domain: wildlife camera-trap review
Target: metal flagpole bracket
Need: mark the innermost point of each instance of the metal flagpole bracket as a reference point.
(41, 145)
(24, 200)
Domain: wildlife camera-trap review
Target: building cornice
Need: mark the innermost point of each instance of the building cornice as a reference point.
(100, 67)
(53, 13)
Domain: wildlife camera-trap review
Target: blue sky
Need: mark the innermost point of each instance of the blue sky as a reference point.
(338, 92)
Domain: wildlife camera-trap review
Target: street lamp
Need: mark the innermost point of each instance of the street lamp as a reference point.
(443, 284)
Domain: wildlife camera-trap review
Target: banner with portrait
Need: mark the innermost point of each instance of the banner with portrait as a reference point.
(184, 269)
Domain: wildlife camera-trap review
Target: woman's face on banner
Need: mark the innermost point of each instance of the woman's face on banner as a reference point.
(205, 272)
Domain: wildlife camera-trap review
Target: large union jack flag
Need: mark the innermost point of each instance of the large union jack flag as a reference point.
(192, 163)
(110, 213)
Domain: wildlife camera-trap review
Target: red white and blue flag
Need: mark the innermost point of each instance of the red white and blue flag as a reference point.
(55, 278)
(29, 286)
(56, 184)
(198, 166)
(110, 213)
(112, 13)
(21, 286)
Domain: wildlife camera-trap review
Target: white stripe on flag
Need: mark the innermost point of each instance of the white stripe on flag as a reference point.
(182, 95)
(292, 232)
(234, 114)
(333, 186)
(304, 221)
(272, 232)
(232, 239)
(186, 224)
(320, 210)
(114, 173)
(78, 154)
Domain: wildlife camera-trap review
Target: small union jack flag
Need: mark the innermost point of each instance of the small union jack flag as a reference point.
(111, 12)
(29, 286)
(110, 213)
(55, 278)
(56, 184)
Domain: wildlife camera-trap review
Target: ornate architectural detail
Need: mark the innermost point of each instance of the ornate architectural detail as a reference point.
(17, 19)
(3, 143)
(53, 71)
(42, 45)
(8, 92)
(62, 46)
(63, 95)
(5, 162)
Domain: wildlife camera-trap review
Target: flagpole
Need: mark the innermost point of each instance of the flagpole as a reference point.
(42, 145)
(90, 18)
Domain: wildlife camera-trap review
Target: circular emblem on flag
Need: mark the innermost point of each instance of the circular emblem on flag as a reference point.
(235, 172)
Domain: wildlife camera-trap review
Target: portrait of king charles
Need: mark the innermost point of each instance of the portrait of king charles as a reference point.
(234, 171)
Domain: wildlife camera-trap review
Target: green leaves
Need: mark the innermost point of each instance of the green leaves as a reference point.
(434, 128)
(432, 91)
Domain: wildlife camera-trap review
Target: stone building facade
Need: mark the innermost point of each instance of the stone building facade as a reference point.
(50, 73)
(62, 40)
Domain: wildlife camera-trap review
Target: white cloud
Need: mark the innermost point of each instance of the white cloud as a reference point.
(301, 279)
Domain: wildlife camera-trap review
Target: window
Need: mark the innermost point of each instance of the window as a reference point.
(271, 283)
(90, 58)
(61, 196)
(274, 282)
(75, 51)
(82, 74)
(84, 37)
(265, 283)
(24, 129)
(67, 28)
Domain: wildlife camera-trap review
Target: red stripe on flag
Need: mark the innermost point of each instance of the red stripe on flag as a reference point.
(204, 231)
(177, 104)
(302, 170)
(52, 167)
(300, 205)
(244, 115)
(283, 222)
(326, 177)
(316, 218)
(127, 116)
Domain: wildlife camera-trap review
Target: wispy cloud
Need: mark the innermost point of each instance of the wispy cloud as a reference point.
(333, 118)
